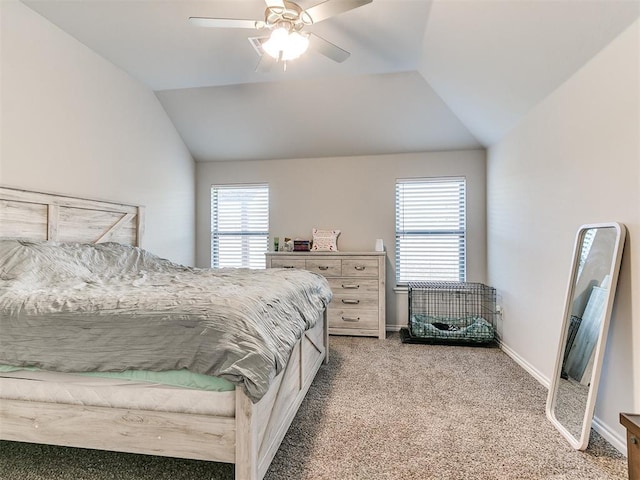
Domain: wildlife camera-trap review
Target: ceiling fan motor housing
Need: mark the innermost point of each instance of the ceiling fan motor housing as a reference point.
(291, 16)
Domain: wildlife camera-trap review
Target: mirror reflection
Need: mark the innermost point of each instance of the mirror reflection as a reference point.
(590, 296)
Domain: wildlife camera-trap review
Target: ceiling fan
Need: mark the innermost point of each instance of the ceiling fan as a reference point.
(286, 20)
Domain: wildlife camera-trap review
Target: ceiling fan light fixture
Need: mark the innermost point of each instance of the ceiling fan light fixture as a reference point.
(286, 45)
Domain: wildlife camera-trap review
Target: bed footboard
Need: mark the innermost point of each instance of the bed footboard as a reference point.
(261, 427)
(250, 440)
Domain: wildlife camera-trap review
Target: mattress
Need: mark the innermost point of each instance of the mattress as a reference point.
(70, 388)
(71, 307)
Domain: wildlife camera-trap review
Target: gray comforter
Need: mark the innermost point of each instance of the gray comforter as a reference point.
(75, 307)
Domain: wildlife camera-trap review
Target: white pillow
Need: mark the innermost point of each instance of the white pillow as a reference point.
(325, 240)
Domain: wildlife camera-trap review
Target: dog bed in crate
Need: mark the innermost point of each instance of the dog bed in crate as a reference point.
(468, 329)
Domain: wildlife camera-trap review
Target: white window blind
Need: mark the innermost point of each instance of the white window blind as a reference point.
(239, 225)
(431, 230)
(587, 241)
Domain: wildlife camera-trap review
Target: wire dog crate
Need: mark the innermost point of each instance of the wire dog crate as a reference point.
(460, 313)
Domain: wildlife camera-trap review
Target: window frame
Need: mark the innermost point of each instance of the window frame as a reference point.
(460, 231)
(245, 233)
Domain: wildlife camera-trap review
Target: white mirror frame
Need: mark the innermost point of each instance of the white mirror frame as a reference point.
(582, 442)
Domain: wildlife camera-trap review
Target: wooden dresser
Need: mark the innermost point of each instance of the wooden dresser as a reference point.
(632, 424)
(357, 280)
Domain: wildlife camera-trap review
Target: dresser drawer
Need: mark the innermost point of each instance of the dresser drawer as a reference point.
(353, 286)
(355, 319)
(354, 300)
(329, 267)
(288, 263)
(365, 267)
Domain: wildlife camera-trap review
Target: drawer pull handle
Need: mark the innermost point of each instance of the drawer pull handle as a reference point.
(634, 440)
(351, 319)
(350, 302)
(360, 267)
(350, 286)
(288, 266)
(323, 267)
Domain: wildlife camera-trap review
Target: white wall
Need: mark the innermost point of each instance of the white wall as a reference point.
(353, 194)
(574, 159)
(73, 123)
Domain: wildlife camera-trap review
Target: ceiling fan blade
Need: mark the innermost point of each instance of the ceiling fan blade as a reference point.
(329, 8)
(274, 3)
(327, 48)
(226, 23)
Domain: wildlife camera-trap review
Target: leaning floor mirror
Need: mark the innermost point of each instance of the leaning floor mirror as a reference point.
(590, 293)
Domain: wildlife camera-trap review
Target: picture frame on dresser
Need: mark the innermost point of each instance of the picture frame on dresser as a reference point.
(357, 280)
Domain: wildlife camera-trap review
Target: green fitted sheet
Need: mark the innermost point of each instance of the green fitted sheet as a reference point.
(175, 378)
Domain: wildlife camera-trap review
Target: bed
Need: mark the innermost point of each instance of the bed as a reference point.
(247, 430)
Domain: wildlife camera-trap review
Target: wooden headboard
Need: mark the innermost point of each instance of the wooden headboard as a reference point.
(37, 216)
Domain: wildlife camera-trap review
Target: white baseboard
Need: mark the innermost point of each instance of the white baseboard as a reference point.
(618, 442)
(534, 372)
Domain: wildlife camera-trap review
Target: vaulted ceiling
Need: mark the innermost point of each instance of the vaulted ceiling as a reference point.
(423, 74)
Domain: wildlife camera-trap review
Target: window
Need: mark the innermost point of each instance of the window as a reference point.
(239, 225)
(587, 241)
(430, 230)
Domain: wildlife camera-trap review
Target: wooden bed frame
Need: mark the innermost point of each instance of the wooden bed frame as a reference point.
(250, 439)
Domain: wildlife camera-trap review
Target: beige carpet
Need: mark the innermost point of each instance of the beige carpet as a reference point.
(381, 410)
